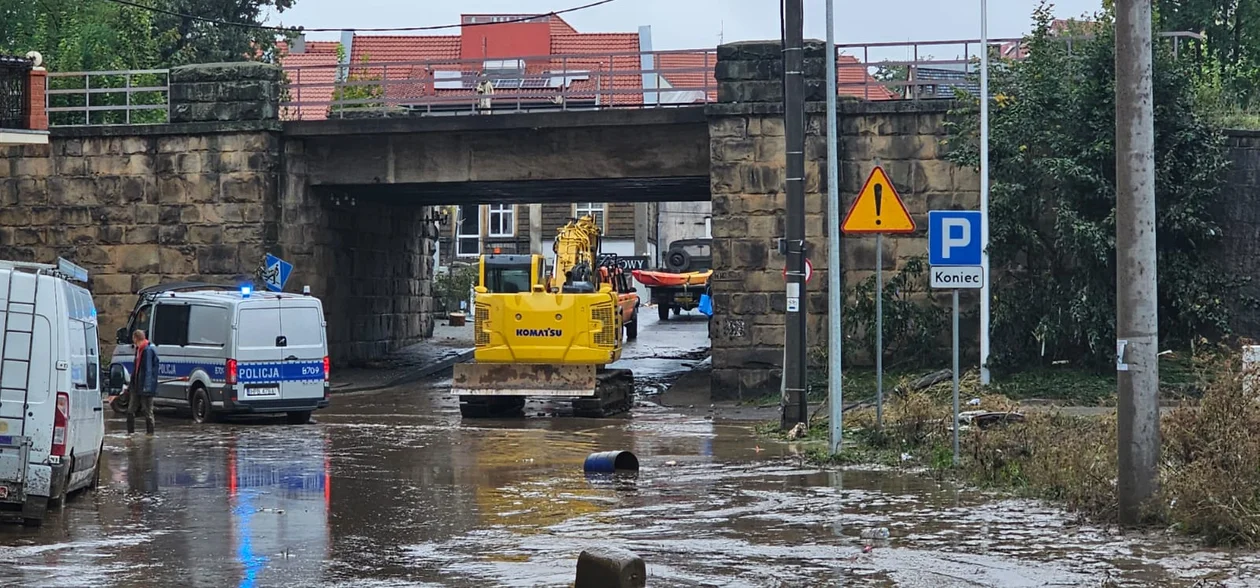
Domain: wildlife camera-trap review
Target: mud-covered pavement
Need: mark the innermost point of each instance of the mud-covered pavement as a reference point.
(393, 489)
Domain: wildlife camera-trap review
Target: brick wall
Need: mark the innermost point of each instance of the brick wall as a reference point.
(37, 109)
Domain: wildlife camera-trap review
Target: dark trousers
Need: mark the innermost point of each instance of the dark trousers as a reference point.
(139, 404)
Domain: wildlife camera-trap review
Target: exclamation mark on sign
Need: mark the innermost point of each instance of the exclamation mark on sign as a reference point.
(879, 200)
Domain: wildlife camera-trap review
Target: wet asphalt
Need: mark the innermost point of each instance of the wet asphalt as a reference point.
(393, 488)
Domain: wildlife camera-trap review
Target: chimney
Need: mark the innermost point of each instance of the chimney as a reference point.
(647, 61)
(298, 45)
(347, 44)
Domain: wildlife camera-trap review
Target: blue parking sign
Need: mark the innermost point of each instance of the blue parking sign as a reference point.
(954, 237)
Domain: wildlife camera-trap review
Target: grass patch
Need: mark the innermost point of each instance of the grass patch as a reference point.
(1182, 376)
(1209, 474)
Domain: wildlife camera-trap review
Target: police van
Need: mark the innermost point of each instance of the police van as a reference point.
(227, 350)
(51, 420)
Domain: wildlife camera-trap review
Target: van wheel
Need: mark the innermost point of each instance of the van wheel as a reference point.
(632, 327)
(662, 311)
(200, 403)
(119, 404)
(300, 417)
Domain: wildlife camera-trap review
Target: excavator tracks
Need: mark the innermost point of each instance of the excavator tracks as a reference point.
(614, 393)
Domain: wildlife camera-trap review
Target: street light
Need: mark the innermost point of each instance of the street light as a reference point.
(984, 192)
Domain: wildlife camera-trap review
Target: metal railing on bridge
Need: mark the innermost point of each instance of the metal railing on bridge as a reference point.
(100, 98)
(586, 81)
(318, 88)
(910, 71)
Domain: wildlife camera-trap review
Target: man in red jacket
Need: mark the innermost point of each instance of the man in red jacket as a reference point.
(144, 383)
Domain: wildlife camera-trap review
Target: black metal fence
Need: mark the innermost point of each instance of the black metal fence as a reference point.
(15, 91)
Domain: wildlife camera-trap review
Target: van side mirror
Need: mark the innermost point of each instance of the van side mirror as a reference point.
(117, 379)
(123, 339)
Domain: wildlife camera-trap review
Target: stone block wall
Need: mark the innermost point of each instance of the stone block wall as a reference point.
(141, 209)
(747, 145)
(370, 262)
(1239, 216)
(204, 199)
(225, 92)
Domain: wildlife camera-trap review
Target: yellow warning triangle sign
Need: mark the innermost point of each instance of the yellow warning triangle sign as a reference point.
(878, 208)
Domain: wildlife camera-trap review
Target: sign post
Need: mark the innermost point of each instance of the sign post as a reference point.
(954, 252)
(878, 209)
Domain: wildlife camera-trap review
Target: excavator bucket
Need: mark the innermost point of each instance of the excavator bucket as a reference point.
(511, 379)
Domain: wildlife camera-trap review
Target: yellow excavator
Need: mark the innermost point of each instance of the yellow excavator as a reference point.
(546, 335)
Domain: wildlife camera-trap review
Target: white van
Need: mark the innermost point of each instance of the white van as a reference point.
(226, 350)
(51, 423)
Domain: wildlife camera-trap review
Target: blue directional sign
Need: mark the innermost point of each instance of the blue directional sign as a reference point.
(954, 237)
(275, 273)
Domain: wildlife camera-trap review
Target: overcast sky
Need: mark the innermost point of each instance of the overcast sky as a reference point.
(691, 24)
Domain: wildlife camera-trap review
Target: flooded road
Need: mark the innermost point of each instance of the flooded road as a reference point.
(392, 489)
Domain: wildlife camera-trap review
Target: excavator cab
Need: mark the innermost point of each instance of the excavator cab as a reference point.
(512, 274)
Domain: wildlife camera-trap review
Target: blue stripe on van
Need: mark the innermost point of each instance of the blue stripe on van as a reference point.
(265, 372)
(182, 370)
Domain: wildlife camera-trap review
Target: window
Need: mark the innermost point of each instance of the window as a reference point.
(140, 321)
(93, 361)
(300, 326)
(507, 280)
(207, 325)
(468, 231)
(502, 220)
(170, 325)
(595, 210)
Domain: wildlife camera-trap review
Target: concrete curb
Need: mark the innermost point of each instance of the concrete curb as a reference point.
(412, 374)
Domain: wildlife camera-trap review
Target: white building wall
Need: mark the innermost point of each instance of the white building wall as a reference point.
(683, 220)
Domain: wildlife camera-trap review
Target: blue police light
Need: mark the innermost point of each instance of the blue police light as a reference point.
(245, 290)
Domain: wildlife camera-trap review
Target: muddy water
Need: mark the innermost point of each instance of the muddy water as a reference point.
(393, 489)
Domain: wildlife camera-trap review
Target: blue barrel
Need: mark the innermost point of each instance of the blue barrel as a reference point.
(611, 462)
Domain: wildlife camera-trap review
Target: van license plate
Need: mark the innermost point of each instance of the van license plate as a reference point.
(263, 392)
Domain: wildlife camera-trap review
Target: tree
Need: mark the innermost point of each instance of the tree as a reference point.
(1232, 28)
(93, 35)
(361, 88)
(1052, 205)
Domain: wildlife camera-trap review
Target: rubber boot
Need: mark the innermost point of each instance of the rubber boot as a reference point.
(148, 427)
(131, 424)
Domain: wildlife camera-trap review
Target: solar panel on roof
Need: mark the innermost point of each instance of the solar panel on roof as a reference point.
(507, 83)
(448, 80)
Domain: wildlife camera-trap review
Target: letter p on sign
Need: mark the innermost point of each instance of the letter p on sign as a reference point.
(954, 237)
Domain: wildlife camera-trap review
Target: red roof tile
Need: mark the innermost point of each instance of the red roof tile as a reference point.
(311, 79)
(692, 70)
(611, 59)
(388, 48)
(560, 27)
(852, 79)
(282, 47)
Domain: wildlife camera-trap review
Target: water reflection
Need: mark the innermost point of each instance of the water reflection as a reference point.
(236, 505)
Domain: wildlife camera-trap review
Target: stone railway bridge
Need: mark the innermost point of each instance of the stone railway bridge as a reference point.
(349, 201)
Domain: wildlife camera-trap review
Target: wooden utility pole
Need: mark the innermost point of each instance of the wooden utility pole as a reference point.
(1137, 311)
